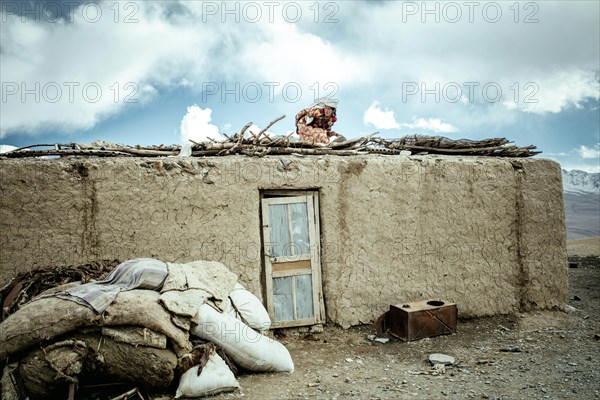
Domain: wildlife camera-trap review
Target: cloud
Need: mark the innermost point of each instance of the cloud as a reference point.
(50, 81)
(174, 46)
(5, 148)
(430, 124)
(384, 119)
(552, 94)
(571, 165)
(505, 54)
(195, 125)
(300, 62)
(587, 152)
(379, 118)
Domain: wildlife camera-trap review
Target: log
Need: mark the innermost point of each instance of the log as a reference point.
(92, 358)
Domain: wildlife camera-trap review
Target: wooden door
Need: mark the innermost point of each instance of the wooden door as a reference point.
(292, 259)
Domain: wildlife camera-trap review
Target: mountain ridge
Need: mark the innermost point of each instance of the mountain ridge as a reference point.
(580, 181)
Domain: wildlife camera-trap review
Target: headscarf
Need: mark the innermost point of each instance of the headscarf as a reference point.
(324, 102)
(320, 103)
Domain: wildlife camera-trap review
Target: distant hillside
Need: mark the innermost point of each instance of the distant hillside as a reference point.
(581, 181)
(582, 204)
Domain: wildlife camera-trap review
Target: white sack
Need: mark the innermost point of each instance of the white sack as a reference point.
(216, 377)
(250, 309)
(246, 347)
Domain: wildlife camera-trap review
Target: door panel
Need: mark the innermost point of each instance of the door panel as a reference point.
(283, 298)
(304, 297)
(292, 261)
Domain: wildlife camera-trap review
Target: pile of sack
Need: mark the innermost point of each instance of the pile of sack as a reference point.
(151, 323)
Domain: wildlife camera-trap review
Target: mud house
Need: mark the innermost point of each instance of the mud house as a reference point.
(318, 238)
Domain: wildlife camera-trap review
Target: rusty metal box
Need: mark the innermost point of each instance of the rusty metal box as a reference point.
(422, 319)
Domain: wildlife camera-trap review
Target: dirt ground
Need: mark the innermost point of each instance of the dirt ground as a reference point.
(540, 355)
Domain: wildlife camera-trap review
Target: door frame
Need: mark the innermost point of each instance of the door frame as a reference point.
(311, 198)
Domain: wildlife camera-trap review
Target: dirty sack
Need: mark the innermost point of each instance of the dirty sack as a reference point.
(60, 340)
(210, 377)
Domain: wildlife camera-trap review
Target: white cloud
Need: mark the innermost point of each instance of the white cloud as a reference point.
(81, 72)
(552, 94)
(173, 46)
(5, 148)
(430, 124)
(587, 152)
(291, 58)
(379, 118)
(164, 49)
(384, 119)
(196, 126)
(480, 53)
(571, 165)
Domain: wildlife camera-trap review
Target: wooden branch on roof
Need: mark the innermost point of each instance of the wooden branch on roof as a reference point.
(259, 146)
(270, 125)
(66, 152)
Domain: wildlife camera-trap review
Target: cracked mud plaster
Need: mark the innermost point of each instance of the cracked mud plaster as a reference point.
(486, 233)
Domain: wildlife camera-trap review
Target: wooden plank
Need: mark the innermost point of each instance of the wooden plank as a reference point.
(267, 260)
(290, 324)
(293, 272)
(286, 200)
(294, 299)
(320, 316)
(283, 299)
(315, 259)
(304, 297)
(290, 230)
(288, 259)
(273, 193)
(287, 266)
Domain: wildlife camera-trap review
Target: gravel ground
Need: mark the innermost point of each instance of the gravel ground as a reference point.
(540, 355)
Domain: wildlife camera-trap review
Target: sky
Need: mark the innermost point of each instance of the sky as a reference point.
(157, 72)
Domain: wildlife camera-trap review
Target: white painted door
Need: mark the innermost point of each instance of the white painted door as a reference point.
(292, 260)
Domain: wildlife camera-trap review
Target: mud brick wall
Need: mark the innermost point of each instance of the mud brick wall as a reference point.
(486, 233)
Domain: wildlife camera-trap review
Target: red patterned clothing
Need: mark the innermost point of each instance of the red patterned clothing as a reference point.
(314, 126)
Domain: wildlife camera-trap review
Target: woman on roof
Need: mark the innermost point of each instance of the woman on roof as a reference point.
(314, 124)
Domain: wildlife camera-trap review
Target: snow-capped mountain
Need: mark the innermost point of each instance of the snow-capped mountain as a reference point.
(581, 181)
(582, 203)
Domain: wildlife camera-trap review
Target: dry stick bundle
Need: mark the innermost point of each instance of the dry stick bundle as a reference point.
(260, 144)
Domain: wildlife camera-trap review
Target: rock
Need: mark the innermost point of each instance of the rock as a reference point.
(570, 309)
(439, 369)
(438, 358)
(349, 360)
(511, 350)
(381, 340)
(371, 337)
